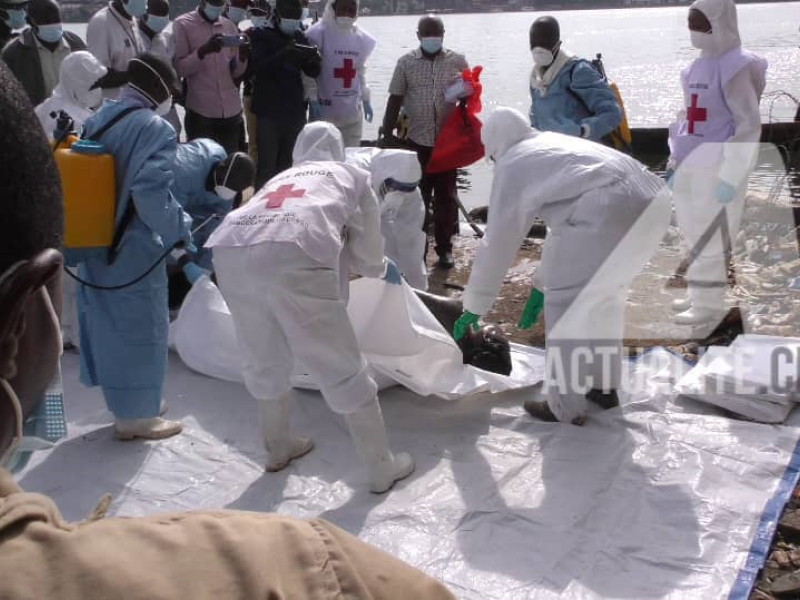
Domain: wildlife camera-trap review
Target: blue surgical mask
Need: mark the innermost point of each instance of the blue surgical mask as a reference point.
(213, 12)
(136, 8)
(289, 26)
(157, 23)
(16, 17)
(258, 22)
(50, 33)
(431, 45)
(236, 14)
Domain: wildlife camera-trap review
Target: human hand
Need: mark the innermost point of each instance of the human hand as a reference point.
(466, 321)
(726, 192)
(368, 114)
(314, 110)
(212, 46)
(533, 309)
(194, 272)
(669, 177)
(392, 275)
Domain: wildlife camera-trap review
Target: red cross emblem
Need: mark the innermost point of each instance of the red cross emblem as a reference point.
(695, 114)
(347, 73)
(282, 194)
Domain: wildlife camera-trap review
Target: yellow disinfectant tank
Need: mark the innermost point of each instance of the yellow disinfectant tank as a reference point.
(89, 186)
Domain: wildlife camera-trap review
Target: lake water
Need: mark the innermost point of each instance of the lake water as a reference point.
(644, 51)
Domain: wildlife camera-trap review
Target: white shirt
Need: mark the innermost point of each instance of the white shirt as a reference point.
(114, 41)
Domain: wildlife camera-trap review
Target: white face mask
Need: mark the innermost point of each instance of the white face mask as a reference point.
(345, 22)
(542, 57)
(163, 109)
(91, 99)
(225, 193)
(701, 40)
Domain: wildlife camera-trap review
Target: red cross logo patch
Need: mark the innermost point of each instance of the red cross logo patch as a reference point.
(347, 73)
(277, 197)
(695, 114)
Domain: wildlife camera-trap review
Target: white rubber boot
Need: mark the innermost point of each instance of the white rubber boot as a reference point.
(682, 304)
(148, 429)
(282, 447)
(163, 408)
(372, 446)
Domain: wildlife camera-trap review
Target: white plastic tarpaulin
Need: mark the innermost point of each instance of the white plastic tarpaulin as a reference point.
(661, 499)
(756, 377)
(402, 340)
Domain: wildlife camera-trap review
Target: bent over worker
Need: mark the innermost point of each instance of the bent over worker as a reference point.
(606, 216)
(278, 263)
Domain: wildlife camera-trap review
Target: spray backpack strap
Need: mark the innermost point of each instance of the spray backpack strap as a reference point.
(620, 137)
(130, 209)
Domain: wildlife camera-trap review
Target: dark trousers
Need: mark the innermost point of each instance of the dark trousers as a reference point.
(226, 132)
(440, 189)
(276, 138)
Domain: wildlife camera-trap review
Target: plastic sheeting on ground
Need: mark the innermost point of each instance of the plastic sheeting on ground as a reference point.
(755, 377)
(402, 340)
(664, 498)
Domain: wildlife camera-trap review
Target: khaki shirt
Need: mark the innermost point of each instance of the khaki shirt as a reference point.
(422, 82)
(227, 555)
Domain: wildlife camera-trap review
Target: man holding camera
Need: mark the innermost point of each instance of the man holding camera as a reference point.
(210, 54)
(281, 56)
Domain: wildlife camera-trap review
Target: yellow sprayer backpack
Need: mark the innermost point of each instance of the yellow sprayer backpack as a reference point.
(620, 138)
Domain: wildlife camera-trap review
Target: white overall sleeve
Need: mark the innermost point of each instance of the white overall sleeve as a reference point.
(97, 40)
(741, 149)
(366, 93)
(511, 215)
(365, 246)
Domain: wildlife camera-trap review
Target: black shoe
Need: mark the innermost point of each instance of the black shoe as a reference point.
(446, 261)
(604, 400)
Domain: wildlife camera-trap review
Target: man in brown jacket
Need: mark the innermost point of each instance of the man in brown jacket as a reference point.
(224, 554)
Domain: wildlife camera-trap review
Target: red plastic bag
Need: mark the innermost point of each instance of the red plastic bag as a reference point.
(459, 142)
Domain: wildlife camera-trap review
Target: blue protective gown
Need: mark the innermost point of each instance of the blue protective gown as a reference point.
(578, 95)
(193, 163)
(124, 332)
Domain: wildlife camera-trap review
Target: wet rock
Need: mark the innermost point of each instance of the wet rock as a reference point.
(789, 524)
(786, 586)
(781, 558)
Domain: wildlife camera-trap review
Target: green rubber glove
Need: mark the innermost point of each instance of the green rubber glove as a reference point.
(533, 308)
(465, 321)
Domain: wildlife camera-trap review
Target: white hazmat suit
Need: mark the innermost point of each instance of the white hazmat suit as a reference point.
(277, 260)
(402, 210)
(714, 145)
(79, 72)
(606, 216)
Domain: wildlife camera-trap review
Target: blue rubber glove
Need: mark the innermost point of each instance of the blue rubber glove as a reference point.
(669, 177)
(314, 110)
(193, 272)
(533, 308)
(368, 114)
(464, 323)
(725, 192)
(393, 275)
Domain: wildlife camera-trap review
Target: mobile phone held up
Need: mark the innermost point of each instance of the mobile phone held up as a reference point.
(233, 41)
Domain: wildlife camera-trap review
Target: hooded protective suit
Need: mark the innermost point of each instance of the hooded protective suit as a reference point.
(606, 216)
(713, 145)
(402, 210)
(124, 332)
(277, 260)
(341, 88)
(79, 72)
(194, 161)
